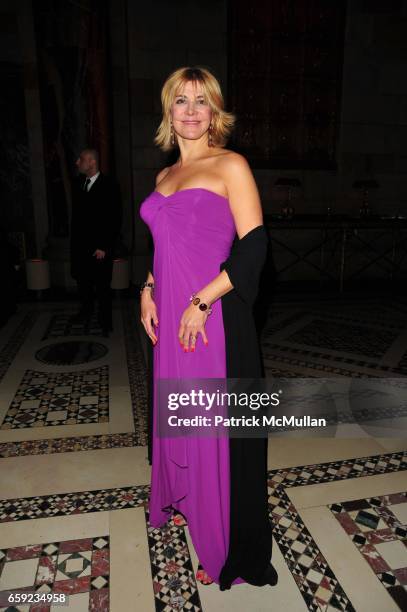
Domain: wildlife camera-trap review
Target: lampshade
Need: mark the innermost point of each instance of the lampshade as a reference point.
(37, 273)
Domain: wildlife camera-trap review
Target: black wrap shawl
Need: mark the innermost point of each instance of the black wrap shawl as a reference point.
(250, 541)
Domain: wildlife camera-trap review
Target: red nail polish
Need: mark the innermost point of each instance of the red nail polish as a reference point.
(206, 343)
(185, 349)
(192, 349)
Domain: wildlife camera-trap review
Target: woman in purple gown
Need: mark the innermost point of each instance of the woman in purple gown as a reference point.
(216, 484)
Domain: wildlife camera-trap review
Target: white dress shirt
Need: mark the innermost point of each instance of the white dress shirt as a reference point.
(92, 179)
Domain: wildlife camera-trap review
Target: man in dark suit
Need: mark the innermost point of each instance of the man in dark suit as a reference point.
(95, 227)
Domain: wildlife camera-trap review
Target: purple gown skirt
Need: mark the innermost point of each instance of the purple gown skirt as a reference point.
(193, 231)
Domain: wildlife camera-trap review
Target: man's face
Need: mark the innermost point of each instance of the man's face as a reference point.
(85, 163)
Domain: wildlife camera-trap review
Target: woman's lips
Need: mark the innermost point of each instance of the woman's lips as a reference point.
(191, 122)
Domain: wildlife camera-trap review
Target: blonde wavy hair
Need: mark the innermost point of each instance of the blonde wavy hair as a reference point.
(222, 121)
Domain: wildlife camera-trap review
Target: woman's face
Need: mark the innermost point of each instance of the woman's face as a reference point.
(190, 112)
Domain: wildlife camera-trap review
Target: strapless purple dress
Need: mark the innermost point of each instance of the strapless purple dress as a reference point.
(193, 230)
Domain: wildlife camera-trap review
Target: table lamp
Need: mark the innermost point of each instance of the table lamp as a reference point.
(365, 185)
(290, 183)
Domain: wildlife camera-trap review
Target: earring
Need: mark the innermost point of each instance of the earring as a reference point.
(210, 140)
(172, 135)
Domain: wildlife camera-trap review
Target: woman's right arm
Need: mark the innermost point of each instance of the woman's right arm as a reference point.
(148, 309)
(147, 305)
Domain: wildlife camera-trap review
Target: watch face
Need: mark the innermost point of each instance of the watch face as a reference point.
(203, 306)
(196, 301)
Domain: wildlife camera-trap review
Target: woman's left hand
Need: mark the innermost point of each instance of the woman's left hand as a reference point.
(192, 323)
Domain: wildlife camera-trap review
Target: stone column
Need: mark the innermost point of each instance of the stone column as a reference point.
(34, 123)
(121, 113)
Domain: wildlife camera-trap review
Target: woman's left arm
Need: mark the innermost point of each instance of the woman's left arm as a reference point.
(246, 209)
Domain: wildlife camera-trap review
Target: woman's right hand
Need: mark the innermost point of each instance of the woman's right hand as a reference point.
(148, 314)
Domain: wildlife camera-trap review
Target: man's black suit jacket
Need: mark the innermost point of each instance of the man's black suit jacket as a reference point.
(96, 219)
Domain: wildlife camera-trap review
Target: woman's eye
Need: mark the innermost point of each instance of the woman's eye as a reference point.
(183, 101)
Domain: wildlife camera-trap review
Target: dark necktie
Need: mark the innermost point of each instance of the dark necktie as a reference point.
(86, 184)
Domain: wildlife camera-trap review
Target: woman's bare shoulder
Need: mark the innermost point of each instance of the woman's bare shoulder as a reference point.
(162, 174)
(232, 163)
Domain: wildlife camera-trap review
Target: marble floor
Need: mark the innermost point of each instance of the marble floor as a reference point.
(74, 475)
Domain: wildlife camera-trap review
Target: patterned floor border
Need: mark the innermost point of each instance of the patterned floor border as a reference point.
(174, 583)
(170, 561)
(138, 389)
(67, 445)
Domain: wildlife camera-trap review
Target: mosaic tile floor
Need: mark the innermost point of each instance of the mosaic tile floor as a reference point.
(345, 336)
(355, 338)
(61, 325)
(70, 567)
(63, 411)
(313, 575)
(44, 399)
(173, 580)
(82, 539)
(378, 527)
(16, 340)
(173, 575)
